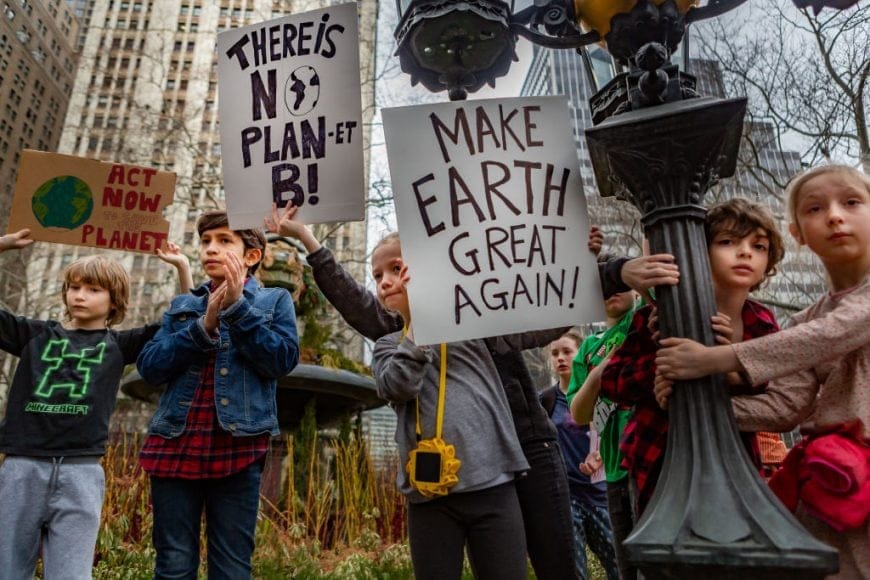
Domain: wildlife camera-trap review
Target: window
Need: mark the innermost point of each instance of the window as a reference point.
(23, 34)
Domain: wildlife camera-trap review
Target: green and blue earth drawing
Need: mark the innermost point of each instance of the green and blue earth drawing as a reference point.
(63, 202)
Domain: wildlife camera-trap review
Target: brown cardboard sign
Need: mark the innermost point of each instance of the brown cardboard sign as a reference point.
(73, 200)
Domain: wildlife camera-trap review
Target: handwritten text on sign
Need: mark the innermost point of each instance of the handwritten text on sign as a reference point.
(79, 201)
(291, 120)
(491, 217)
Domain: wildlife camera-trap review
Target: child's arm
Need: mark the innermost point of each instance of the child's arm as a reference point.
(15, 240)
(358, 306)
(172, 255)
(524, 340)
(583, 403)
(271, 348)
(785, 404)
(842, 330)
(399, 366)
(16, 331)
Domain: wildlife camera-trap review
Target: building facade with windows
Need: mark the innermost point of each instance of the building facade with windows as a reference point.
(37, 72)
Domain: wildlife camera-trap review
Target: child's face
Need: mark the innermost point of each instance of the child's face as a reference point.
(618, 304)
(88, 305)
(387, 266)
(214, 245)
(562, 353)
(739, 263)
(833, 218)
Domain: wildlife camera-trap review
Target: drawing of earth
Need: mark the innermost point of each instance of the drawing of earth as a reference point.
(63, 202)
(302, 91)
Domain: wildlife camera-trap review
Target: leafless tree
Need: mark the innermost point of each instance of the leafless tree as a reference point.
(806, 78)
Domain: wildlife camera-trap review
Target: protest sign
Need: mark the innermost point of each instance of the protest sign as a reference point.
(291, 118)
(73, 200)
(492, 218)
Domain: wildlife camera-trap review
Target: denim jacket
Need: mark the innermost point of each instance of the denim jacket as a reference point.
(257, 345)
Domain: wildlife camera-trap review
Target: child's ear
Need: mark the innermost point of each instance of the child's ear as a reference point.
(795, 232)
(253, 256)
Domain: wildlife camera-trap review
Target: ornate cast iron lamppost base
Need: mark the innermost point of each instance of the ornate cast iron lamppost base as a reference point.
(711, 516)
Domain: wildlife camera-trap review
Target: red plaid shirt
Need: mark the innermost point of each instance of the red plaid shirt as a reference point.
(205, 450)
(629, 378)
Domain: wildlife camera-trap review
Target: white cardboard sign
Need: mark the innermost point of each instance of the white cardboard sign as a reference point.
(291, 118)
(492, 218)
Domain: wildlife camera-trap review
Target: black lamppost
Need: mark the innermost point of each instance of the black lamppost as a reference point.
(658, 144)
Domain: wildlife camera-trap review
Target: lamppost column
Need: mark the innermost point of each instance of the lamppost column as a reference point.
(711, 516)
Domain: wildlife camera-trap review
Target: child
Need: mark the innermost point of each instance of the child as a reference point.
(543, 491)
(57, 416)
(220, 350)
(744, 247)
(591, 521)
(821, 364)
(609, 419)
(477, 502)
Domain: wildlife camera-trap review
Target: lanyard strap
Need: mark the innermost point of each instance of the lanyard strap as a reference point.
(442, 392)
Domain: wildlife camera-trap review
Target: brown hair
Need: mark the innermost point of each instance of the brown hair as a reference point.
(741, 217)
(793, 189)
(252, 239)
(105, 273)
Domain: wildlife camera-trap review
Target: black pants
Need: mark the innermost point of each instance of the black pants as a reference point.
(488, 520)
(545, 502)
(622, 520)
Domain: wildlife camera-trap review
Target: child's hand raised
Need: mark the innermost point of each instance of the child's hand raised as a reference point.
(15, 240)
(171, 254)
(285, 223)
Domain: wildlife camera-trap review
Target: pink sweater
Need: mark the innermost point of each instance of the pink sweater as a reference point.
(818, 368)
(819, 373)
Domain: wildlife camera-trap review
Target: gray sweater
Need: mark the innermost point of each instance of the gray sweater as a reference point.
(477, 418)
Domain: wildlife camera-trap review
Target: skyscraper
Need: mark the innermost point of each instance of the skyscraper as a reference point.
(37, 70)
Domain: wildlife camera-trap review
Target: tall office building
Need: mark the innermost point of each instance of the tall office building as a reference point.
(37, 70)
(763, 165)
(145, 92)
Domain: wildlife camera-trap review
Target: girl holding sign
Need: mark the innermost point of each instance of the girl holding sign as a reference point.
(462, 456)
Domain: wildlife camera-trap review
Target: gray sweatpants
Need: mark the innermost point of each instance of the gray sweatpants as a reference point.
(53, 500)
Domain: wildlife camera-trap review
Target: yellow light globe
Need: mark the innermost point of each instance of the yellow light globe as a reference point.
(596, 14)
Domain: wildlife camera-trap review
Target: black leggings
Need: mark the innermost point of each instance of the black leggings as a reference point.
(488, 520)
